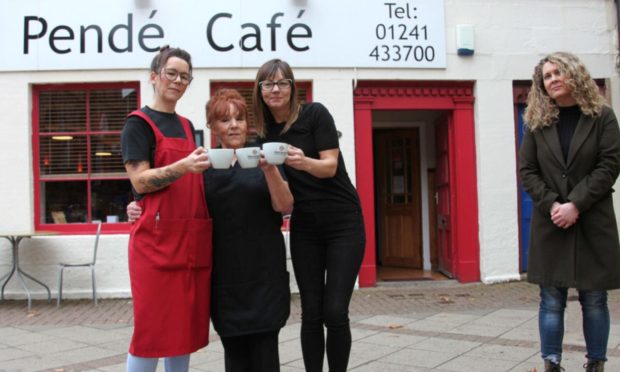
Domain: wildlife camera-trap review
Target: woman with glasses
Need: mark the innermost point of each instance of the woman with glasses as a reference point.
(170, 246)
(327, 228)
(569, 162)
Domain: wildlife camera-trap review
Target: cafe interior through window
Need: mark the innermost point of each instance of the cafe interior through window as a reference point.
(80, 175)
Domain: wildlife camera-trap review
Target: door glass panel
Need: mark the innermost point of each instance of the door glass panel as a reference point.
(399, 179)
(408, 182)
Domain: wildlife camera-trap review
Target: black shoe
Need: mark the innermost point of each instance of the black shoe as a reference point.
(552, 367)
(595, 366)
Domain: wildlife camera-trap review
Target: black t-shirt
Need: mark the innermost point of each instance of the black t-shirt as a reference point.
(313, 132)
(138, 139)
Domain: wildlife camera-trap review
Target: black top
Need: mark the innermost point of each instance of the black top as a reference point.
(566, 125)
(313, 132)
(250, 284)
(138, 140)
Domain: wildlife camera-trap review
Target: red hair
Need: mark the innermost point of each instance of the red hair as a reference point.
(218, 107)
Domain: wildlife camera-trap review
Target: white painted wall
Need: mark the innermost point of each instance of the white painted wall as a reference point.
(497, 181)
(335, 92)
(16, 159)
(510, 37)
(39, 257)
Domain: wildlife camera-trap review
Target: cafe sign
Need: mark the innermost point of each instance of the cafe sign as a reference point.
(114, 34)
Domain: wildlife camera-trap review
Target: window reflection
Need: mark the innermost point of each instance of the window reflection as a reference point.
(109, 199)
(62, 111)
(63, 155)
(64, 202)
(105, 154)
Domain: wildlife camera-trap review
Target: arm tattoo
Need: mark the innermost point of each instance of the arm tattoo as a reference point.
(163, 176)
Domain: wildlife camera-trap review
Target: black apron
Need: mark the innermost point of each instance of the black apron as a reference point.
(250, 284)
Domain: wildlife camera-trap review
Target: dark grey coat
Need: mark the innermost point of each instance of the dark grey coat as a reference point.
(586, 255)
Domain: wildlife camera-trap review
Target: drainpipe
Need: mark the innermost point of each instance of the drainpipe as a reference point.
(618, 30)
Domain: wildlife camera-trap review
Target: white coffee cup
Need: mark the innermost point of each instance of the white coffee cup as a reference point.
(248, 157)
(220, 158)
(275, 152)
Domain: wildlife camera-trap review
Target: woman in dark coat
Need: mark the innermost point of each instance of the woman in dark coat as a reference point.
(569, 161)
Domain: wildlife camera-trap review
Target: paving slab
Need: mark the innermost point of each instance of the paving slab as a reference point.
(416, 326)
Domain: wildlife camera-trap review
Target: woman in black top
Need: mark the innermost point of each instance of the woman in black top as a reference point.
(569, 161)
(250, 298)
(327, 228)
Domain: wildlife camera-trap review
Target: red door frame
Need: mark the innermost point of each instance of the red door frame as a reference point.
(456, 97)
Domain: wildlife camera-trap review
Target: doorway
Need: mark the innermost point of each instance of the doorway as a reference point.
(455, 101)
(405, 202)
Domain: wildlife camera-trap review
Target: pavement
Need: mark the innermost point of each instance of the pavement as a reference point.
(396, 327)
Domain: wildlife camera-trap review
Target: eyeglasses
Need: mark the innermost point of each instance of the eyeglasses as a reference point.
(173, 75)
(267, 85)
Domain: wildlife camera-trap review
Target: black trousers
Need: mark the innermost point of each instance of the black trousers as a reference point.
(257, 352)
(327, 249)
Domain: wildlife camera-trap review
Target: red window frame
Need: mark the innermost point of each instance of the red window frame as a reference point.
(72, 228)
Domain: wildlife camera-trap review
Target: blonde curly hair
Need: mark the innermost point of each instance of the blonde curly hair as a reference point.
(542, 110)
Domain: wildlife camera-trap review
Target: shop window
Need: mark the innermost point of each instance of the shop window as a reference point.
(79, 173)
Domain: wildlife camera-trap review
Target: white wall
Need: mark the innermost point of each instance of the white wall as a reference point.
(16, 160)
(510, 37)
(335, 92)
(497, 181)
(39, 257)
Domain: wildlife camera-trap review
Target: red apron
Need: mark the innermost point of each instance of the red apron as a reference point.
(170, 259)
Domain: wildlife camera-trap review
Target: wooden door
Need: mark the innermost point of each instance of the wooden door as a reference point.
(432, 217)
(400, 199)
(442, 192)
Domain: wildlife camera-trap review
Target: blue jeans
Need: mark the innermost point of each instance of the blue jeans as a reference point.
(595, 315)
